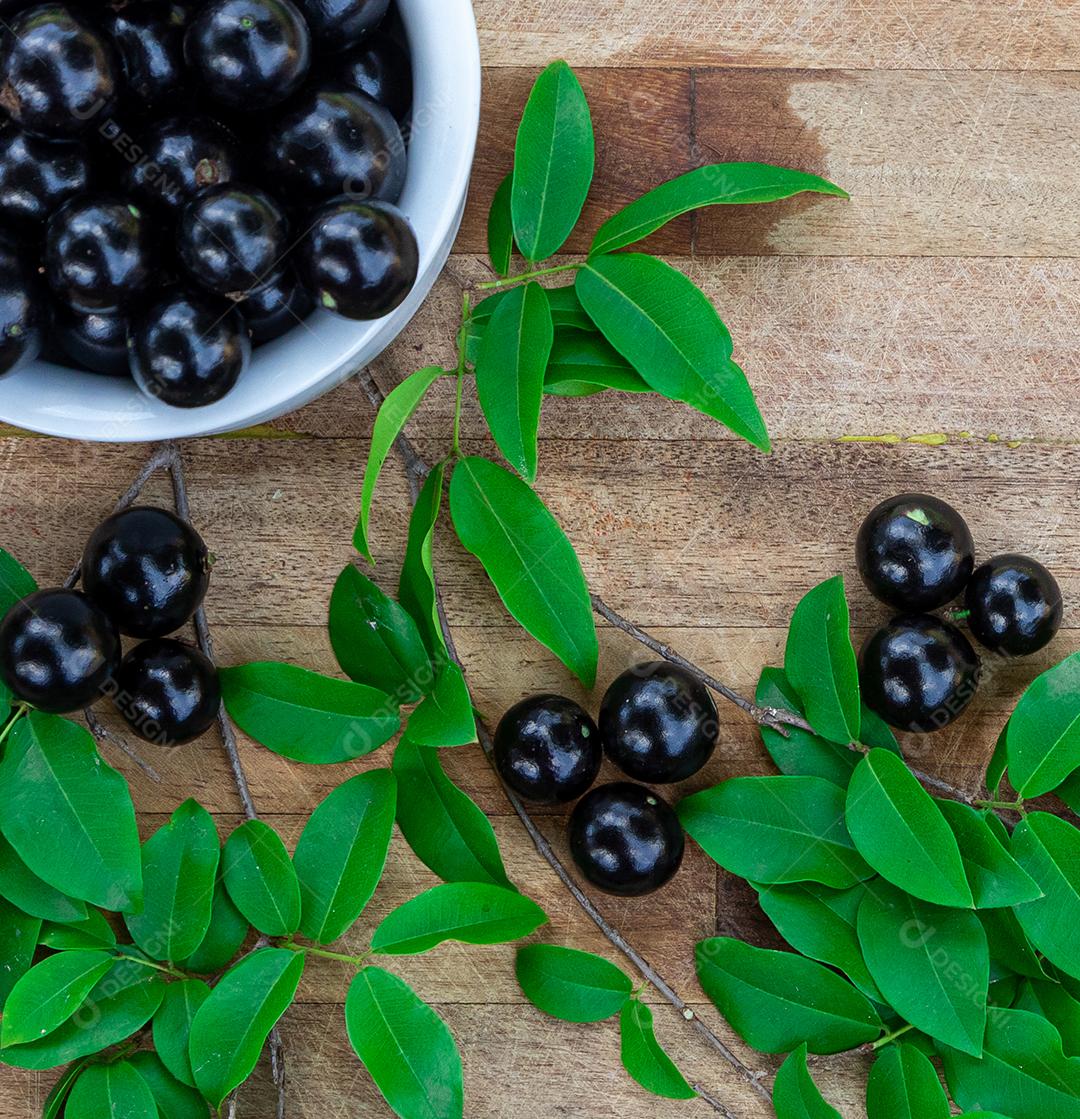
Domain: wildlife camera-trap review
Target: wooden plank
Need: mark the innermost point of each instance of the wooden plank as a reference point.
(972, 34)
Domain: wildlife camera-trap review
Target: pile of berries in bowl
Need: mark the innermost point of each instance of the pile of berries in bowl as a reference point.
(182, 181)
(144, 573)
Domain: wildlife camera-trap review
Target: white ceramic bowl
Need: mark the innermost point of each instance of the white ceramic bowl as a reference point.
(315, 357)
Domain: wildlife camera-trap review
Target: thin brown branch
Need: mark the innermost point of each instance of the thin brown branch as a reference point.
(103, 734)
(174, 460)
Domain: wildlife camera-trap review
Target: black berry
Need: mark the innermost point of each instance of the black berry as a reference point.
(167, 692)
(658, 724)
(918, 673)
(58, 73)
(1014, 605)
(181, 157)
(249, 54)
(24, 312)
(37, 177)
(275, 308)
(547, 749)
(147, 569)
(99, 253)
(625, 839)
(58, 650)
(339, 24)
(359, 259)
(96, 340)
(149, 41)
(379, 68)
(915, 552)
(188, 349)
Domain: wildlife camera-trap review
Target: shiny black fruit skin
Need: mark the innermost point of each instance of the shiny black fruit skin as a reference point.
(99, 253)
(147, 569)
(1014, 605)
(275, 308)
(167, 692)
(58, 73)
(547, 749)
(58, 650)
(657, 723)
(625, 839)
(249, 54)
(24, 312)
(918, 673)
(96, 340)
(334, 142)
(340, 24)
(187, 349)
(181, 157)
(149, 42)
(379, 68)
(37, 177)
(231, 239)
(915, 552)
(359, 259)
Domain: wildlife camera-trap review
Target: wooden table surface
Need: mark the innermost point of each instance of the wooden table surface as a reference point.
(936, 310)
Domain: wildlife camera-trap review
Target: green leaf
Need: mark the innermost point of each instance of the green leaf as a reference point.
(716, 184)
(670, 333)
(174, 1100)
(500, 230)
(571, 985)
(232, 1026)
(795, 1095)
(307, 717)
(172, 1026)
(19, 934)
(997, 880)
(902, 834)
(553, 163)
(876, 733)
(1023, 1072)
(1069, 792)
(931, 963)
(821, 665)
(776, 1001)
(405, 1046)
(510, 370)
(446, 717)
(111, 1091)
(341, 854)
(68, 814)
(904, 1084)
(821, 923)
(376, 641)
(567, 314)
(643, 1058)
(394, 413)
(91, 932)
(798, 752)
(582, 364)
(1009, 946)
(227, 932)
(261, 879)
(1057, 1006)
(776, 829)
(446, 830)
(179, 865)
(1043, 734)
(22, 887)
(528, 558)
(995, 771)
(123, 1001)
(1048, 848)
(54, 1104)
(469, 912)
(15, 582)
(49, 993)
(416, 589)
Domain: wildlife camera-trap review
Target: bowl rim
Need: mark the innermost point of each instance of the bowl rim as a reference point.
(48, 399)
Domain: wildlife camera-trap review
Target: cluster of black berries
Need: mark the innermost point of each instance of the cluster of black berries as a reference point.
(916, 554)
(144, 574)
(658, 724)
(182, 180)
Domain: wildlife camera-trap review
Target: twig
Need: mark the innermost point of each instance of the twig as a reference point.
(175, 463)
(416, 470)
(103, 734)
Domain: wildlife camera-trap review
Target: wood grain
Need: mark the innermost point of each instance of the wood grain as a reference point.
(938, 305)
